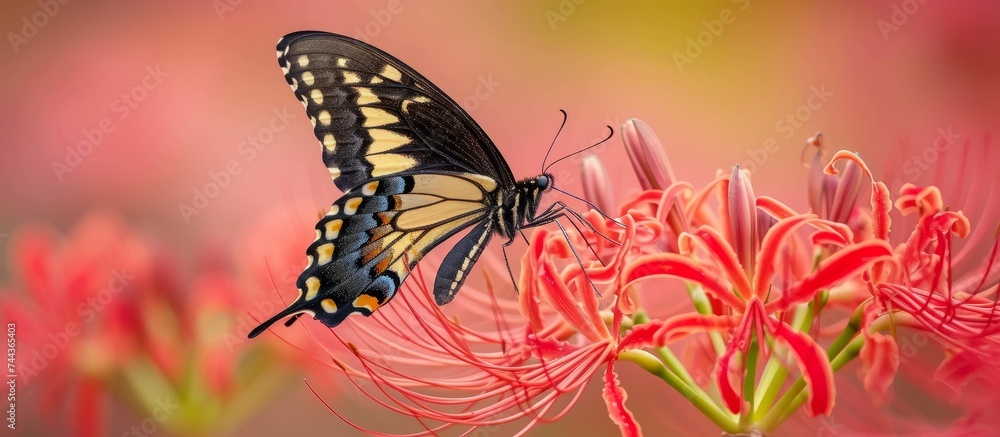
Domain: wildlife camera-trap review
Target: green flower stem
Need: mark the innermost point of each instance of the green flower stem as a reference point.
(674, 365)
(260, 378)
(749, 382)
(775, 373)
(651, 364)
(771, 380)
(849, 353)
(845, 348)
(704, 307)
(145, 384)
(853, 326)
(670, 360)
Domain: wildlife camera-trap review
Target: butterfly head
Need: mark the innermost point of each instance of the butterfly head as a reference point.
(544, 182)
(539, 185)
(531, 194)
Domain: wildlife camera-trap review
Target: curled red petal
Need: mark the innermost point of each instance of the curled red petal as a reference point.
(582, 315)
(681, 267)
(880, 358)
(680, 326)
(774, 207)
(813, 364)
(838, 267)
(640, 336)
(529, 300)
(777, 237)
(730, 397)
(959, 368)
(615, 397)
(716, 244)
(828, 237)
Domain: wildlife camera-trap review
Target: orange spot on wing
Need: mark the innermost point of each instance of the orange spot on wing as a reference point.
(366, 301)
(382, 265)
(385, 217)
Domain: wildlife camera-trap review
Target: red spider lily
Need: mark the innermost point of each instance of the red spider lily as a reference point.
(503, 359)
(747, 291)
(921, 291)
(101, 314)
(70, 315)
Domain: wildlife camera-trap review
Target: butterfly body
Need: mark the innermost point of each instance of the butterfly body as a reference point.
(415, 170)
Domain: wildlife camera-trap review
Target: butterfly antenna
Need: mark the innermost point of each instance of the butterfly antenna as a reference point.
(561, 126)
(611, 133)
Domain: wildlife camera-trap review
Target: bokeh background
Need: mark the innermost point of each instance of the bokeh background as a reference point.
(183, 90)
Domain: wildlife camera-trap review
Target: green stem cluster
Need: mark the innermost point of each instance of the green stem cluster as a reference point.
(765, 409)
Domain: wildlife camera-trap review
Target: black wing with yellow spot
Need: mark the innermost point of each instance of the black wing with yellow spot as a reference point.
(414, 167)
(374, 116)
(370, 239)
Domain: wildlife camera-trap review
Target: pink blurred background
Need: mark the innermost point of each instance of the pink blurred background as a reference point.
(884, 73)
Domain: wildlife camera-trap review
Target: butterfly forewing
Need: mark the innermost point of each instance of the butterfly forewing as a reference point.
(374, 116)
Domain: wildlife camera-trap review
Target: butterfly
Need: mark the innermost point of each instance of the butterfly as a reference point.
(415, 170)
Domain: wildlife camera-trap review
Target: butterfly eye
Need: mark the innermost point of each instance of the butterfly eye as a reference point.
(543, 182)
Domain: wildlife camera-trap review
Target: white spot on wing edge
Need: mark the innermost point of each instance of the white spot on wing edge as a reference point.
(316, 95)
(351, 206)
(324, 254)
(312, 287)
(329, 142)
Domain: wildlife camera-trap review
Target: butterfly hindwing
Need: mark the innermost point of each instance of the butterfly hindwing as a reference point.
(375, 116)
(370, 239)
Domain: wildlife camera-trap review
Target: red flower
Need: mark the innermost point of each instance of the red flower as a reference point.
(918, 287)
(521, 354)
(102, 313)
(71, 311)
(742, 279)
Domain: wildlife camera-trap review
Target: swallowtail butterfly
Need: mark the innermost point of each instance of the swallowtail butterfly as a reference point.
(415, 169)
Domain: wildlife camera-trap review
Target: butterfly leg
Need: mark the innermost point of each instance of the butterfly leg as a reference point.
(554, 217)
(571, 212)
(507, 262)
(560, 209)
